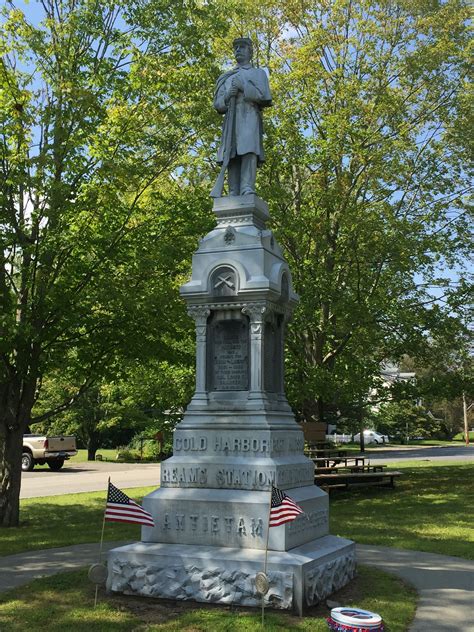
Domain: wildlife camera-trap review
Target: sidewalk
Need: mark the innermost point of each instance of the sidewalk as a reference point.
(445, 584)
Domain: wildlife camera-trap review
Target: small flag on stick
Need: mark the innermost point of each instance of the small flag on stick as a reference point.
(121, 508)
(283, 508)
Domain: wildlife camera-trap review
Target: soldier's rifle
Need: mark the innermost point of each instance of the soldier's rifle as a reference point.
(228, 141)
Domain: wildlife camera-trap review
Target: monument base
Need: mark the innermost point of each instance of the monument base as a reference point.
(300, 577)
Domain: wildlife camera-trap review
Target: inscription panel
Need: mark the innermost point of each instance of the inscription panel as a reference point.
(229, 367)
(309, 521)
(238, 443)
(235, 477)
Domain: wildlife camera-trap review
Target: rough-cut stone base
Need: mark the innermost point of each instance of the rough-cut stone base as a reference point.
(302, 576)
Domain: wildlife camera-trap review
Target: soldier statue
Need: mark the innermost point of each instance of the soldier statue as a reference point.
(240, 96)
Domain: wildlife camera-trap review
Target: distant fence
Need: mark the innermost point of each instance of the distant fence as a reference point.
(339, 438)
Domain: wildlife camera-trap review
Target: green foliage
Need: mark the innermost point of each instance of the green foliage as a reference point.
(108, 138)
(145, 398)
(444, 377)
(365, 180)
(95, 231)
(125, 455)
(404, 419)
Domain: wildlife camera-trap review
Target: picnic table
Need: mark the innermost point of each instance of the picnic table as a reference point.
(366, 467)
(355, 461)
(324, 452)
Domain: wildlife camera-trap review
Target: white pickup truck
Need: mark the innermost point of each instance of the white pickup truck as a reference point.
(38, 449)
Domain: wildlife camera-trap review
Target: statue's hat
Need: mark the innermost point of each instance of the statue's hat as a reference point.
(243, 40)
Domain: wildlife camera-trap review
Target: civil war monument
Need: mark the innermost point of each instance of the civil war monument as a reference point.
(238, 436)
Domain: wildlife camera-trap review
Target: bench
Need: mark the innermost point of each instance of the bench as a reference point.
(356, 479)
(366, 468)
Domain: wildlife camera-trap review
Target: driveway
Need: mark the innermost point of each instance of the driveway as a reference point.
(88, 477)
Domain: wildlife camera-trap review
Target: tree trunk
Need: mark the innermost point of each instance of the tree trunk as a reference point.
(92, 446)
(11, 445)
(320, 410)
(313, 410)
(16, 402)
(361, 430)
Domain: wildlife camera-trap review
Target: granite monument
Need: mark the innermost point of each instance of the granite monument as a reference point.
(240, 95)
(238, 435)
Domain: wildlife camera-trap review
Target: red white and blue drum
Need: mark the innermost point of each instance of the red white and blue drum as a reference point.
(354, 620)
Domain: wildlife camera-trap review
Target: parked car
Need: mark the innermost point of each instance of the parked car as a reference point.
(38, 449)
(370, 436)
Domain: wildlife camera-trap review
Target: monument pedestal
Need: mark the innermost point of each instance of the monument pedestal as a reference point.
(304, 575)
(238, 437)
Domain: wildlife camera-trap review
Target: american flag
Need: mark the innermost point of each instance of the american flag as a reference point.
(283, 508)
(121, 508)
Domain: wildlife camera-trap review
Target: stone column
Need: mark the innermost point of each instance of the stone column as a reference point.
(200, 315)
(256, 313)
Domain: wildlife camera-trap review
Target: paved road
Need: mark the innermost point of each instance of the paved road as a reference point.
(423, 453)
(87, 477)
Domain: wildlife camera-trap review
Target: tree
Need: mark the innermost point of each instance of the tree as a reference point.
(107, 129)
(444, 376)
(142, 398)
(365, 176)
(405, 420)
(91, 251)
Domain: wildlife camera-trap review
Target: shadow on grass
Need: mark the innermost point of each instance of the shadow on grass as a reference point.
(427, 511)
(64, 520)
(65, 602)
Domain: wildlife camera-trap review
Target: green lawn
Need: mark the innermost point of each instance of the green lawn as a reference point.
(430, 509)
(460, 436)
(456, 442)
(65, 602)
(81, 456)
(54, 521)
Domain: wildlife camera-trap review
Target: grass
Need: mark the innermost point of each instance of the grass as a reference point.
(65, 602)
(460, 436)
(429, 510)
(81, 456)
(107, 455)
(55, 521)
(455, 442)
